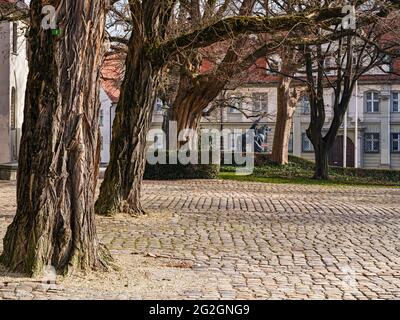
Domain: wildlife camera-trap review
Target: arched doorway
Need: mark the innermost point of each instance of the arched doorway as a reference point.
(336, 153)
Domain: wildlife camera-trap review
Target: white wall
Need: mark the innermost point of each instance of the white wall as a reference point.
(4, 91)
(105, 130)
(301, 121)
(13, 73)
(19, 70)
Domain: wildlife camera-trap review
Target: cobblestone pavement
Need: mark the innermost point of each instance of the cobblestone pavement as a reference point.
(225, 239)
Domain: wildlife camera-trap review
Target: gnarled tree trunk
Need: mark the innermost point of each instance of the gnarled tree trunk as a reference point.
(195, 94)
(286, 105)
(54, 224)
(149, 50)
(191, 100)
(120, 190)
(321, 149)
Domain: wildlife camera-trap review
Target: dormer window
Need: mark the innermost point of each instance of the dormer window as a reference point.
(274, 64)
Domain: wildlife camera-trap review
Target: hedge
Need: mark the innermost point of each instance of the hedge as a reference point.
(181, 171)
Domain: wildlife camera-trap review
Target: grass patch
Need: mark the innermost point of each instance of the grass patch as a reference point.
(300, 171)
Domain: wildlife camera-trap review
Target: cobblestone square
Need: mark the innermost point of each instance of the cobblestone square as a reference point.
(238, 240)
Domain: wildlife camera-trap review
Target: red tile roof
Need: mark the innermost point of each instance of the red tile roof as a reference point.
(111, 76)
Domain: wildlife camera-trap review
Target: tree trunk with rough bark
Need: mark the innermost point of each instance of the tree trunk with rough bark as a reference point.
(286, 105)
(120, 190)
(191, 100)
(54, 224)
(149, 50)
(321, 162)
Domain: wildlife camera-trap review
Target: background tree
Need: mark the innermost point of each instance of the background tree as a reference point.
(149, 50)
(13, 10)
(58, 160)
(287, 99)
(374, 44)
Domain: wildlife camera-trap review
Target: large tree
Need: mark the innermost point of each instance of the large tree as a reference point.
(373, 45)
(58, 160)
(149, 50)
(287, 98)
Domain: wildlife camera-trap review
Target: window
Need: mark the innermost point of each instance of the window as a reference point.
(395, 142)
(158, 141)
(15, 38)
(372, 102)
(395, 102)
(304, 104)
(290, 148)
(329, 65)
(372, 141)
(13, 106)
(158, 106)
(236, 105)
(235, 142)
(260, 102)
(101, 118)
(307, 145)
(274, 64)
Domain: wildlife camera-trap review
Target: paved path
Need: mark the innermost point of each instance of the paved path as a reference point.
(225, 239)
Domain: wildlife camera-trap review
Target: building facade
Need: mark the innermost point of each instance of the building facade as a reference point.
(371, 128)
(370, 133)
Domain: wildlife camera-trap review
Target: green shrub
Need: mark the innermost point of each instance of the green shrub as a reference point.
(179, 171)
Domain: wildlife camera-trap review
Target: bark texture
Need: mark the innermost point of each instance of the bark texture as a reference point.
(149, 50)
(120, 190)
(192, 99)
(286, 105)
(58, 163)
(345, 82)
(321, 161)
(195, 93)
